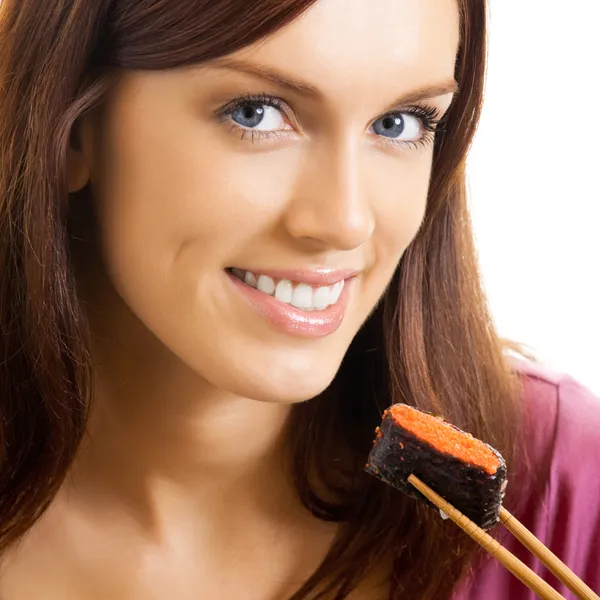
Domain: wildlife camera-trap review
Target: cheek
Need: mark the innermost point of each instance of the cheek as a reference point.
(163, 193)
(401, 201)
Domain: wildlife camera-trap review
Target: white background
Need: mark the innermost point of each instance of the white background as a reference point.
(534, 174)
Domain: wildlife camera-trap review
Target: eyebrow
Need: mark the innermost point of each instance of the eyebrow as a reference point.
(427, 91)
(283, 80)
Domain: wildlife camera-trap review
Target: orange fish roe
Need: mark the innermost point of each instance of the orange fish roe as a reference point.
(445, 438)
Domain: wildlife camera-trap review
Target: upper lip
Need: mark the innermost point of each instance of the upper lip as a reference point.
(310, 276)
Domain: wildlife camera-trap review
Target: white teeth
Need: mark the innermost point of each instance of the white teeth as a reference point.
(266, 284)
(300, 295)
(321, 298)
(284, 291)
(248, 278)
(335, 292)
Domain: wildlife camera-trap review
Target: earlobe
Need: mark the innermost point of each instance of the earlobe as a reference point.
(78, 170)
(79, 156)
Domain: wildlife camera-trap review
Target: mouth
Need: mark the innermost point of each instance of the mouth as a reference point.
(309, 303)
(301, 295)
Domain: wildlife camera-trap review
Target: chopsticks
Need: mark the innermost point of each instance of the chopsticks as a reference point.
(552, 562)
(519, 569)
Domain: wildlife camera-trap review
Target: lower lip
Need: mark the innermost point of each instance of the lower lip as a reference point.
(292, 320)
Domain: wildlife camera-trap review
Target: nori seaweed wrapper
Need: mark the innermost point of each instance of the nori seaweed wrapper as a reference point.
(398, 453)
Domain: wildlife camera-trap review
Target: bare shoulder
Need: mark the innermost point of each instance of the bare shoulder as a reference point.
(47, 562)
(31, 567)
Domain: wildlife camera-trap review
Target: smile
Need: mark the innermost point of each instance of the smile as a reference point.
(299, 302)
(301, 295)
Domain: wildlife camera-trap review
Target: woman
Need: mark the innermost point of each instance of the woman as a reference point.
(232, 233)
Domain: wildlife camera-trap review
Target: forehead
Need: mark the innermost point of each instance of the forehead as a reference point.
(358, 47)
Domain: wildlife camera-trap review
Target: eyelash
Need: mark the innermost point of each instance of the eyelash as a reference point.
(224, 114)
(430, 122)
(428, 116)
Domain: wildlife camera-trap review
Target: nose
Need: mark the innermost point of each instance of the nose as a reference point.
(330, 207)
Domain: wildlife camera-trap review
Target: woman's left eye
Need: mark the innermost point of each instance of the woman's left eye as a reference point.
(258, 116)
(400, 126)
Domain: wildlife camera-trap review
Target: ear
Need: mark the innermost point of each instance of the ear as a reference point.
(79, 155)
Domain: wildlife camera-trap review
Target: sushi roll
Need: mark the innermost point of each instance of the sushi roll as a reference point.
(468, 473)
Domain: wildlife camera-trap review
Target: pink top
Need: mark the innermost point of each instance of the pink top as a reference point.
(563, 430)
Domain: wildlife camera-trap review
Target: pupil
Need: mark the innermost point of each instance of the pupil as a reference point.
(389, 126)
(388, 123)
(248, 115)
(249, 112)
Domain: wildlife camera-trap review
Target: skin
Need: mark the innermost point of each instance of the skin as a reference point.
(160, 503)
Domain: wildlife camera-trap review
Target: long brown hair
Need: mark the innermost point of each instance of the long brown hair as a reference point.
(429, 343)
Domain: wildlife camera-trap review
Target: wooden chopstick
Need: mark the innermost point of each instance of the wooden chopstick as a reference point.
(552, 562)
(487, 542)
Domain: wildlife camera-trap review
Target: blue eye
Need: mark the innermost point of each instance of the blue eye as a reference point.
(258, 116)
(248, 115)
(399, 126)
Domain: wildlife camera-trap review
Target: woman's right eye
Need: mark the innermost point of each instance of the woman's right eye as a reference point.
(258, 116)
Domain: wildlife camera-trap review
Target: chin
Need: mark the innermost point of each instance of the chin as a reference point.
(287, 394)
(291, 390)
(282, 383)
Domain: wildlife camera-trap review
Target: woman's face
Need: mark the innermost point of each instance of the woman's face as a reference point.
(299, 165)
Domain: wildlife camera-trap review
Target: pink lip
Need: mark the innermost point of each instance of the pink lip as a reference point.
(288, 318)
(317, 276)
